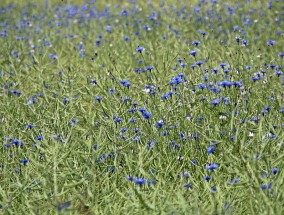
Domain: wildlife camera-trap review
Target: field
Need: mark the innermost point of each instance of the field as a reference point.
(129, 107)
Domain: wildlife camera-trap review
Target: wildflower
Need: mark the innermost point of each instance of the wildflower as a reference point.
(24, 161)
(65, 100)
(238, 39)
(201, 86)
(266, 186)
(245, 43)
(167, 95)
(176, 80)
(150, 145)
(123, 13)
(236, 28)
(222, 65)
(186, 175)
(211, 166)
(193, 53)
(123, 130)
(108, 29)
(30, 126)
(140, 49)
(146, 115)
(215, 102)
(125, 83)
(207, 178)
(73, 122)
(226, 71)
(278, 73)
(111, 91)
(98, 98)
(215, 70)
(126, 38)
(53, 56)
(39, 138)
(271, 42)
(63, 206)
(214, 188)
(117, 119)
(188, 185)
(140, 181)
(131, 178)
(16, 92)
(196, 43)
(225, 83)
(210, 149)
(132, 120)
(160, 124)
(274, 171)
(93, 82)
(199, 63)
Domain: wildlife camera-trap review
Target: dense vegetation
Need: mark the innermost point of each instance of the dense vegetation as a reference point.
(142, 108)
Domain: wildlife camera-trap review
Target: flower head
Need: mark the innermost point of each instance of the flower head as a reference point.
(211, 166)
(140, 49)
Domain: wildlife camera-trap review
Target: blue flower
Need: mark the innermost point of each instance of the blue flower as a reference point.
(222, 65)
(140, 181)
(266, 186)
(199, 63)
(111, 91)
(176, 80)
(24, 161)
(215, 102)
(278, 73)
(201, 86)
(39, 138)
(271, 42)
(63, 206)
(16, 92)
(65, 100)
(108, 29)
(274, 171)
(125, 83)
(211, 166)
(98, 98)
(237, 84)
(207, 178)
(30, 126)
(73, 122)
(193, 53)
(188, 185)
(140, 49)
(160, 124)
(167, 95)
(126, 38)
(210, 149)
(215, 70)
(131, 178)
(147, 115)
(245, 43)
(123, 13)
(53, 56)
(196, 43)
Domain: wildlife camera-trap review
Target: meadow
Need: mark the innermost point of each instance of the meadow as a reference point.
(139, 107)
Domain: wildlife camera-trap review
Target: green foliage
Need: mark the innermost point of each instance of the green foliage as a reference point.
(69, 145)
